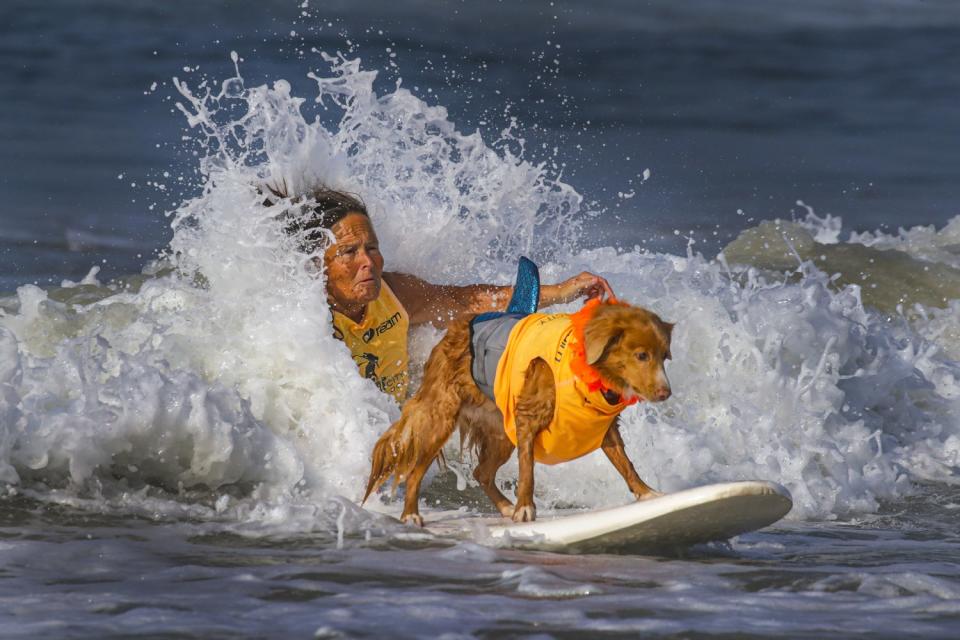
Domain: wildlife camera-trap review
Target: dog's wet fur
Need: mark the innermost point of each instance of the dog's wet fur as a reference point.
(627, 345)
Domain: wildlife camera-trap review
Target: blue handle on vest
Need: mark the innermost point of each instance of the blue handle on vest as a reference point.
(526, 291)
(490, 332)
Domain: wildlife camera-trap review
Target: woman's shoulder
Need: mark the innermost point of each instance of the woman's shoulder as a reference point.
(414, 294)
(406, 287)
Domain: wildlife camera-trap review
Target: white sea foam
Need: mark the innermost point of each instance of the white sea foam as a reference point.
(925, 242)
(221, 373)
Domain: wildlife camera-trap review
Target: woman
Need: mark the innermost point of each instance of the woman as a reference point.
(373, 309)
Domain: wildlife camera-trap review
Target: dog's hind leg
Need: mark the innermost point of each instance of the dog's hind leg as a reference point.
(535, 407)
(617, 454)
(411, 508)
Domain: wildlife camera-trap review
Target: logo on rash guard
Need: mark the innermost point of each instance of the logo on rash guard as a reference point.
(369, 363)
(385, 326)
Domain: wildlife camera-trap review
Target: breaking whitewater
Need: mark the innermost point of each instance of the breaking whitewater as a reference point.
(211, 383)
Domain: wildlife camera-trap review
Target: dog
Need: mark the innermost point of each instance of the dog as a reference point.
(561, 382)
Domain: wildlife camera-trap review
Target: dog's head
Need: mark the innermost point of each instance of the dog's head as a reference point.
(628, 346)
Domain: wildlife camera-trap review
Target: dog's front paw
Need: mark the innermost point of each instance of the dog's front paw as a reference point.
(524, 513)
(412, 518)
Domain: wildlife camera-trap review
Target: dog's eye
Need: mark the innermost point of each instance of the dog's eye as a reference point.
(642, 356)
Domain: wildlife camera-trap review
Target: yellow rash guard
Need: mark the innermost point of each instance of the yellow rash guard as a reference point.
(379, 344)
(581, 417)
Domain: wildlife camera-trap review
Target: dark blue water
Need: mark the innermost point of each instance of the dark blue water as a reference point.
(732, 106)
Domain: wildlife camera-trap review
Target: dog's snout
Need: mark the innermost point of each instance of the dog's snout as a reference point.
(662, 393)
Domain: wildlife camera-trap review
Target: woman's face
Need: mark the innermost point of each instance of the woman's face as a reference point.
(354, 264)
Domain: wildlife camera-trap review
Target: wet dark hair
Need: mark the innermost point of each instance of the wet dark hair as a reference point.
(318, 209)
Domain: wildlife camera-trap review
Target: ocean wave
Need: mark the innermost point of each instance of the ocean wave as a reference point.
(218, 373)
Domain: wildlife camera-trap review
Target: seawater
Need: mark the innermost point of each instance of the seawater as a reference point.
(181, 450)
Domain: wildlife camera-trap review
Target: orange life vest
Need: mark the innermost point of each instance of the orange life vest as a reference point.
(379, 343)
(581, 416)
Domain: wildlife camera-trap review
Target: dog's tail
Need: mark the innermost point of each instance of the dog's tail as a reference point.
(389, 456)
(400, 448)
(417, 438)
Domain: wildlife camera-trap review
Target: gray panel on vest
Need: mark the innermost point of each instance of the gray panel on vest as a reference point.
(489, 342)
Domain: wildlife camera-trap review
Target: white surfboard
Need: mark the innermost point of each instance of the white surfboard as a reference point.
(694, 516)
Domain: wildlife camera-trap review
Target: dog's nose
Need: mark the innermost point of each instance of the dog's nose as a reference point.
(662, 394)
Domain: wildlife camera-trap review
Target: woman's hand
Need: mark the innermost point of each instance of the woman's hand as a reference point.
(586, 284)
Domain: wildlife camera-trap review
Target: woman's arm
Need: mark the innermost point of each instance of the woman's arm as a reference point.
(438, 304)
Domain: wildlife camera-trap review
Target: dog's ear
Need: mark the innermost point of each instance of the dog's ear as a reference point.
(600, 335)
(597, 349)
(668, 327)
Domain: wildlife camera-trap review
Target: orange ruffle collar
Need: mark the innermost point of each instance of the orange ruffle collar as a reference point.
(581, 369)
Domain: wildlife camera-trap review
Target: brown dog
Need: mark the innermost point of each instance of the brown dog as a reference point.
(617, 352)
